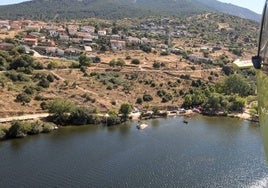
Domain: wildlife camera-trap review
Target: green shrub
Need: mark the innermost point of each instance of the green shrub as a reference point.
(111, 120)
(146, 48)
(50, 78)
(47, 127)
(147, 97)
(164, 53)
(3, 132)
(139, 100)
(44, 105)
(19, 129)
(29, 90)
(156, 65)
(36, 128)
(167, 97)
(23, 98)
(17, 77)
(44, 83)
(135, 61)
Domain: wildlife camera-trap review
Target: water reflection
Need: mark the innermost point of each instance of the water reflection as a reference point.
(155, 122)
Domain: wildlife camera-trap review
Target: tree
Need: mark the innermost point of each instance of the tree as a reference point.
(125, 110)
(237, 103)
(236, 84)
(80, 116)
(24, 61)
(18, 129)
(146, 48)
(155, 110)
(84, 60)
(60, 110)
(188, 100)
(120, 62)
(213, 103)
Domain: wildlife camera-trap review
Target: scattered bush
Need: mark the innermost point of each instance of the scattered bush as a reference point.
(23, 98)
(135, 61)
(147, 97)
(139, 100)
(44, 83)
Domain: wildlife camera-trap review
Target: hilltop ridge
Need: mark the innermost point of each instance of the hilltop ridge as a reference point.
(116, 9)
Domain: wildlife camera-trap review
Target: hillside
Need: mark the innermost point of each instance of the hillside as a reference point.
(203, 49)
(77, 9)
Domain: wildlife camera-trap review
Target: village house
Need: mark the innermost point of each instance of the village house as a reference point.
(31, 40)
(144, 40)
(88, 49)
(117, 44)
(162, 46)
(115, 37)
(4, 24)
(15, 25)
(87, 40)
(72, 29)
(72, 51)
(47, 42)
(33, 27)
(53, 33)
(61, 30)
(64, 37)
(102, 33)
(198, 58)
(75, 40)
(83, 35)
(88, 29)
(53, 30)
(217, 48)
(54, 51)
(205, 48)
(133, 40)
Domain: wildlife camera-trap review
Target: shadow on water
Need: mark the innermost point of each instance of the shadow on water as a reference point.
(73, 131)
(155, 122)
(18, 143)
(125, 128)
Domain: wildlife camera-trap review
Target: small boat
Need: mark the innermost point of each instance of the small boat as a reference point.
(142, 126)
(184, 121)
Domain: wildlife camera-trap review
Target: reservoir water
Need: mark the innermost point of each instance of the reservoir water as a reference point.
(206, 152)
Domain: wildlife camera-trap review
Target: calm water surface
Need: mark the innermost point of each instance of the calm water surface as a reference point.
(208, 152)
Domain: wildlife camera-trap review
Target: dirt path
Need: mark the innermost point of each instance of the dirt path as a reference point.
(24, 117)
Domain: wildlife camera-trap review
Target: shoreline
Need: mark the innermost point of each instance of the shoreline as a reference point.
(134, 116)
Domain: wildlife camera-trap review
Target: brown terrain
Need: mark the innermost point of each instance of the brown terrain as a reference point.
(93, 92)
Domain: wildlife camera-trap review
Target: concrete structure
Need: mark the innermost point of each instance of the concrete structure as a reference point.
(243, 64)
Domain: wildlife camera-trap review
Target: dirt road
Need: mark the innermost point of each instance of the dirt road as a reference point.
(24, 117)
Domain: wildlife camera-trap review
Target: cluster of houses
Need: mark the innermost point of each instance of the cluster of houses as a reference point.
(58, 40)
(53, 39)
(72, 39)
